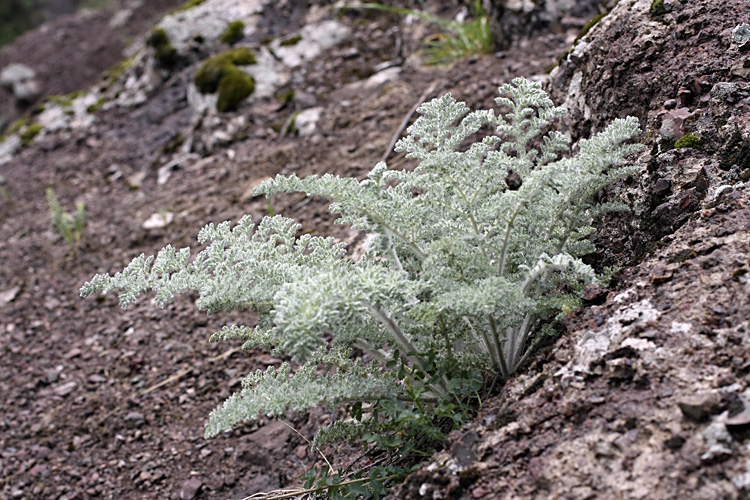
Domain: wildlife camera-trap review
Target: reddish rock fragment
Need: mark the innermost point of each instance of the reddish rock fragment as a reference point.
(594, 295)
(739, 422)
(661, 274)
(190, 489)
(699, 406)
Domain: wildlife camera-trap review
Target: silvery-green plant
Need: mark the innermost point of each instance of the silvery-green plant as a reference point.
(467, 248)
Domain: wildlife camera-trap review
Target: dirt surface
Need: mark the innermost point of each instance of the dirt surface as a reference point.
(70, 53)
(105, 403)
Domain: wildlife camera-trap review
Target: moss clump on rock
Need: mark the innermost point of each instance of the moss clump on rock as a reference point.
(657, 7)
(220, 73)
(164, 52)
(233, 33)
(115, 72)
(688, 141)
(234, 87)
(291, 41)
(28, 135)
(66, 101)
(95, 107)
(587, 27)
(187, 6)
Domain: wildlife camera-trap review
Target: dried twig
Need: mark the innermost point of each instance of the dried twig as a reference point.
(179, 375)
(330, 467)
(280, 494)
(176, 376)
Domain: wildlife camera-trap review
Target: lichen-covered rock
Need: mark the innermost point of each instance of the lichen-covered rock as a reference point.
(310, 42)
(209, 20)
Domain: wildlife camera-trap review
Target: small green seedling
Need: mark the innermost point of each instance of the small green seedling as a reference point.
(69, 225)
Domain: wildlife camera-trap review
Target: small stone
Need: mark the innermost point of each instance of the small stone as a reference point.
(671, 103)
(38, 470)
(158, 220)
(96, 378)
(306, 121)
(7, 296)
(594, 294)
(739, 422)
(661, 187)
(301, 452)
(53, 375)
(134, 420)
(66, 388)
(685, 96)
(661, 274)
(741, 34)
(190, 489)
(702, 84)
(716, 453)
(675, 442)
(699, 406)
(135, 180)
(480, 492)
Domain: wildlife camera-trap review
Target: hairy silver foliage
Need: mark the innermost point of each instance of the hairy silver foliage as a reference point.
(461, 266)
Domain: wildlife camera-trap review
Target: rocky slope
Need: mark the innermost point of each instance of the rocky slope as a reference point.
(645, 397)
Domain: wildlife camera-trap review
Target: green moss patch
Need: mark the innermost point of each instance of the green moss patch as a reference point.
(221, 74)
(587, 27)
(174, 144)
(164, 52)
(115, 72)
(95, 107)
(187, 6)
(688, 141)
(28, 135)
(657, 7)
(233, 33)
(291, 41)
(234, 87)
(66, 100)
(14, 127)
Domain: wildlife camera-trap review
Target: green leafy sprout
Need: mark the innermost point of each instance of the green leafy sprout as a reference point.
(457, 40)
(69, 225)
(465, 268)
